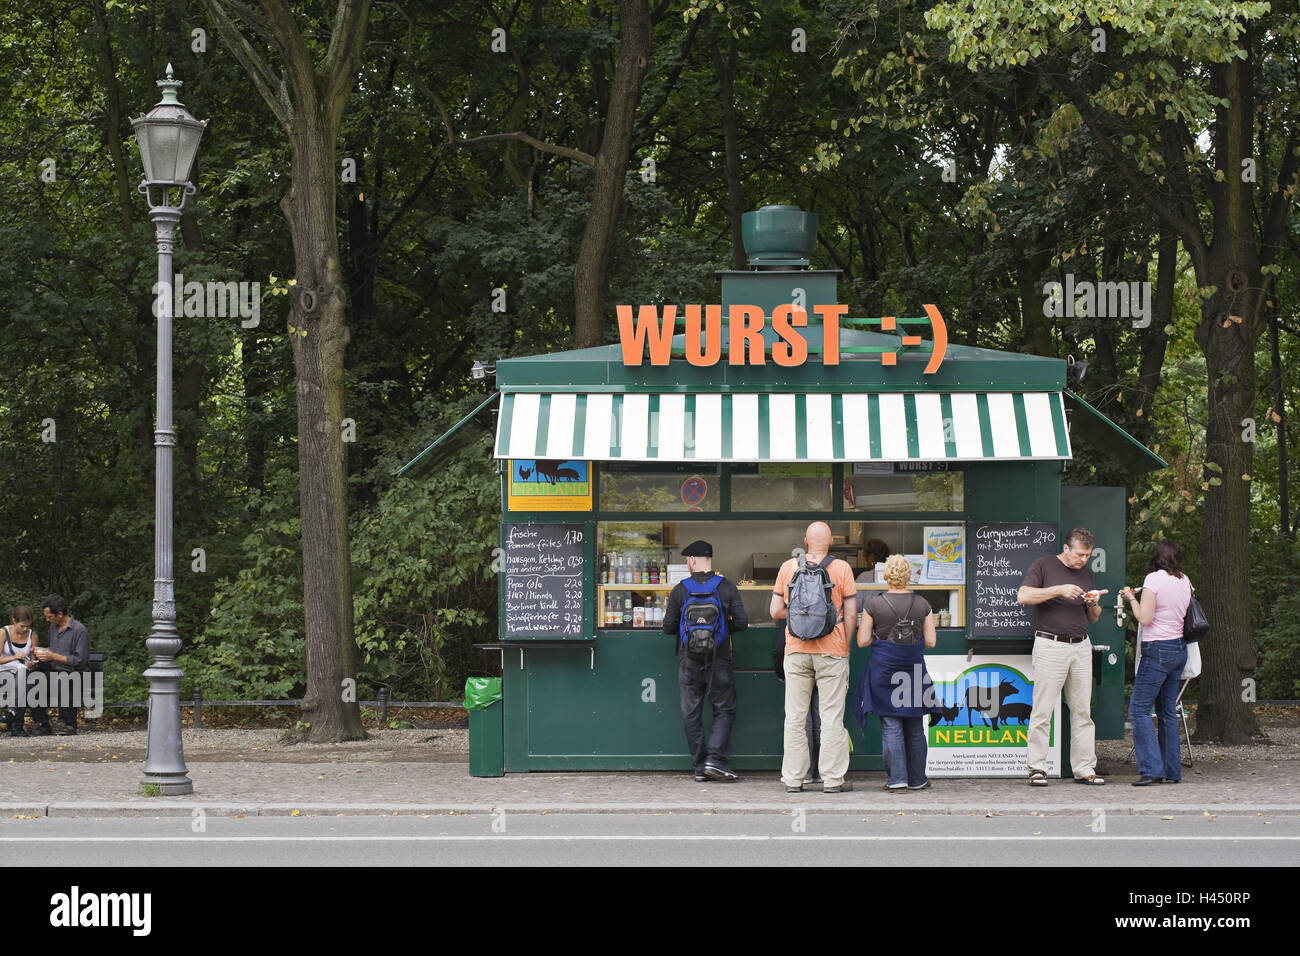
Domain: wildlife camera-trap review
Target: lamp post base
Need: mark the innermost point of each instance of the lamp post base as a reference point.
(164, 762)
(167, 785)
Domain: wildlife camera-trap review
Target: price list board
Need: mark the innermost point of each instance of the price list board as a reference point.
(543, 581)
(1001, 554)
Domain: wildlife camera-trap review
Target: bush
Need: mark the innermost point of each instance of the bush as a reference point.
(1279, 646)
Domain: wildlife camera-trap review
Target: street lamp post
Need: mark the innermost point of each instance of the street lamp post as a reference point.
(168, 137)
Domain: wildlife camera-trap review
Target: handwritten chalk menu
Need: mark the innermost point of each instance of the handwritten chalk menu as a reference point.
(543, 570)
(1001, 554)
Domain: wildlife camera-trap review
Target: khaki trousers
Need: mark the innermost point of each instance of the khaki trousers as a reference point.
(830, 674)
(1060, 666)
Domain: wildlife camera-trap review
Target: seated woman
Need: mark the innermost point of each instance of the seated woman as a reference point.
(901, 625)
(16, 646)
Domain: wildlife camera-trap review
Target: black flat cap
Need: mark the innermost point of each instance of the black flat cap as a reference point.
(698, 549)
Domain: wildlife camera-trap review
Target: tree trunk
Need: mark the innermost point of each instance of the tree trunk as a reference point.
(309, 99)
(1032, 257)
(1229, 653)
(318, 307)
(1228, 334)
(611, 171)
(726, 68)
(1153, 339)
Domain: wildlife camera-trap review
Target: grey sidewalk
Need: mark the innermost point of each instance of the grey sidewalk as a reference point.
(250, 772)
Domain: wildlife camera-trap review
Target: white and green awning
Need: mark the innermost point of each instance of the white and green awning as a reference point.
(898, 426)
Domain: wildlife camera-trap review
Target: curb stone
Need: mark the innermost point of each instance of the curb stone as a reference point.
(182, 807)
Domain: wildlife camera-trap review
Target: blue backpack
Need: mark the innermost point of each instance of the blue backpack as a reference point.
(703, 624)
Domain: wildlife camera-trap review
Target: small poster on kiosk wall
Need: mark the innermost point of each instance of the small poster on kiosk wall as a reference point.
(944, 553)
(983, 727)
(541, 485)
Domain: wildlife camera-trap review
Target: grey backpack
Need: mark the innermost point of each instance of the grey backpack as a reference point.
(811, 609)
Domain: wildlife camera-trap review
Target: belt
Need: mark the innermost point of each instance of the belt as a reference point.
(1063, 638)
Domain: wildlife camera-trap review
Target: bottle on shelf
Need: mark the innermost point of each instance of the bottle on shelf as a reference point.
(627, 611)
(604, 569)
(654, 572)
(640, 571)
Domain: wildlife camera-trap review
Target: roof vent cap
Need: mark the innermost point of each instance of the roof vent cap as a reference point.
(779, 237)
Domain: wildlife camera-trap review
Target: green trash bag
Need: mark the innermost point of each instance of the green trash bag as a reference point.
(482, 692)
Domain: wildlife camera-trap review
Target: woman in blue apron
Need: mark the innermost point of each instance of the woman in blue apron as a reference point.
(898, 625)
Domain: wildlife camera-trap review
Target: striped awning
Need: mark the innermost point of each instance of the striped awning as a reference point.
(901, 426)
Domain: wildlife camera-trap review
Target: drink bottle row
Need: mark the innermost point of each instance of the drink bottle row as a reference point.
(616, 568)
(619, 611)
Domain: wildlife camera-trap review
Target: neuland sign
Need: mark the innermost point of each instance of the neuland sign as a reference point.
(652, 332)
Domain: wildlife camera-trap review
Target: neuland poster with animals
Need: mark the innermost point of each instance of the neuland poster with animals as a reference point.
(537, 485)
(983, 730)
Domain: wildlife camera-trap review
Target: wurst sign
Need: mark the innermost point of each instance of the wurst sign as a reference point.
(651, 331)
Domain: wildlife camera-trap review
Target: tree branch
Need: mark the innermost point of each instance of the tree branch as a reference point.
(1188, 230)
(268, 84)
(564, 151)
(1288, 175)
(342, 61)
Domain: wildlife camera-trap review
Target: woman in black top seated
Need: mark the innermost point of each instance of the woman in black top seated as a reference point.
(900, 625)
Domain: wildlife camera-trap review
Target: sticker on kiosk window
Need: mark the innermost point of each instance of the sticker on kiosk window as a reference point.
(694, 489)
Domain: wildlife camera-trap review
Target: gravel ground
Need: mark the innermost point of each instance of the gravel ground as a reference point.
(224, 745)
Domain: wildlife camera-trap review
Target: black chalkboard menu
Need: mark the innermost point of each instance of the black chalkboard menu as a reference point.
(543, 586)
(1002, 553)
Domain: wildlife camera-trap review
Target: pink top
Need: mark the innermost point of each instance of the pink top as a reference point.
(1172, 597)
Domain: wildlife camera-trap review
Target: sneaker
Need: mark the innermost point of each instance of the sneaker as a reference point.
(898, 788)
(18, 732)
(66, 730)
(714, 772)
(844, 786)
(811, 777)
(41, 730)
(924, 786)
(795, 788)
(699, 776)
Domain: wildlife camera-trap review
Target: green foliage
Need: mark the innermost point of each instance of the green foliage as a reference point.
(1279, 644)
(427, 579)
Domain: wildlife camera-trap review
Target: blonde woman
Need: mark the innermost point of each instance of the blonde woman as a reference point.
(900, 624)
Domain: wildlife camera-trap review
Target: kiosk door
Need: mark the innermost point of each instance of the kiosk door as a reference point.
(1102, 511)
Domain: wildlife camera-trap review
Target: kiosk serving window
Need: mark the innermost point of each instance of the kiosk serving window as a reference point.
(638, 562)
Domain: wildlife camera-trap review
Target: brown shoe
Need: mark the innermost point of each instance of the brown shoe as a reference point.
(845, 785)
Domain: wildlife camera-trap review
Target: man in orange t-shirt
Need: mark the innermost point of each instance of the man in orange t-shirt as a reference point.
(823, 662)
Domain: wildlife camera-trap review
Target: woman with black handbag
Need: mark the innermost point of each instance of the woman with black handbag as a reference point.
(1166, 595)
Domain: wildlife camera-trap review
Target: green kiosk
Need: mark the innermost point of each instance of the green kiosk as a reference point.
(613, 459)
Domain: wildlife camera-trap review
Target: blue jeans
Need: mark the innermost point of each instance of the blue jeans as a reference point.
(1156, 682)
(903, 741)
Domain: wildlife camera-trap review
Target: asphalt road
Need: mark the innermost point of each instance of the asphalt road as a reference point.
(664, 839)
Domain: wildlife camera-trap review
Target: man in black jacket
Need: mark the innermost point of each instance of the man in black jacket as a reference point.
(712, 677)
